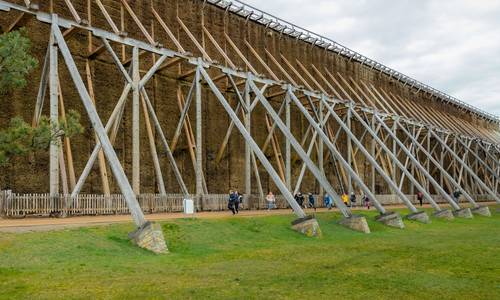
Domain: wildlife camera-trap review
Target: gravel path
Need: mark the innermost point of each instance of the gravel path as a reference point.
(31, 224)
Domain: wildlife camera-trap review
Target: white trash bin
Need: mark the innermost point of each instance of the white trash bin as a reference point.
(188, 206)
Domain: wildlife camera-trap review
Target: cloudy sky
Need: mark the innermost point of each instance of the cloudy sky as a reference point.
(452, 45)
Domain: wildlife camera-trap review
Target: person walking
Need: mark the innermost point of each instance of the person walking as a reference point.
(456, 195)
(240, 201)
(420, 197)
(328, 201)
(299, 198)
(312, 201)
(345, 199)
(271, 201)
(352, 199)
(237, 202)
(231, 201)
(367, 201)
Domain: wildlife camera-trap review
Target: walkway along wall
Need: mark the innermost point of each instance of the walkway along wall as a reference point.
(14, 205)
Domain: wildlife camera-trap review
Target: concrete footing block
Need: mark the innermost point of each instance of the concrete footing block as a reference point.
(356, 222)
(463, 213)
(150, 236)
(482, 211)
(308, 226)
(446, 214)
(391, 219)
(419, 216)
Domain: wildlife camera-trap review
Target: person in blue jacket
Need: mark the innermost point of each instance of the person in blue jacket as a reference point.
(311, 201)
(328, 201)
(237, 203)
(233, 197)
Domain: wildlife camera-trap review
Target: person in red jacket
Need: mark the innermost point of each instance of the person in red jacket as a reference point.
(420, 197)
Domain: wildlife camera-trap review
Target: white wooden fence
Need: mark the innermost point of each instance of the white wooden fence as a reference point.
(19, 205)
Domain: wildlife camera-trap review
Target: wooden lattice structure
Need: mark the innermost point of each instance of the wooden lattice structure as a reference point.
(312, 113)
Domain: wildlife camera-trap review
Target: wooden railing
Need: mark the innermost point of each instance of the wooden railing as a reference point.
(19, 205)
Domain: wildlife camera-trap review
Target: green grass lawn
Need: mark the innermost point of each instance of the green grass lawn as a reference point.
(258, 258)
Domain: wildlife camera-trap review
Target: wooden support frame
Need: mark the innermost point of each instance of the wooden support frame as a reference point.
(371, 95)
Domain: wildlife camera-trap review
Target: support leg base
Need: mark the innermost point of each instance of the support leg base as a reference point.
(463, 213)
(308, 226)
(356, 222)
(419, 216)
(149, 236)
(446, 214)
(391, 219)
(482, 211)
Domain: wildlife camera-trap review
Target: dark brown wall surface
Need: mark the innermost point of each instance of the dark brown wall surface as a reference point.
(31, 174)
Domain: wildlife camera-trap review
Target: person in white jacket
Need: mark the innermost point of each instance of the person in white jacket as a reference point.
(271, 201)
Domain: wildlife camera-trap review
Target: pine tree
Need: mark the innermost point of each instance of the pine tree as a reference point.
(15, 60)
(20, 138)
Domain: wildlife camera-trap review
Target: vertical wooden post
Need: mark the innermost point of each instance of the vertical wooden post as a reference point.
(320, 147)
(136, 154)
(54, 116)
(373, 174)
(428, 163)
(412, 170)
(288, 148)
(394, 151)
(441, 161)
(349, 150)
(455, 165)
(476, 169)
(199, 137)
(498, 174)
(248, 127)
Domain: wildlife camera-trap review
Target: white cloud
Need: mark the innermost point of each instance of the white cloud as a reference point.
(452, 45)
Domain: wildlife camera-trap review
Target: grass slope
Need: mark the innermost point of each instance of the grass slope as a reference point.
(258, 258)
